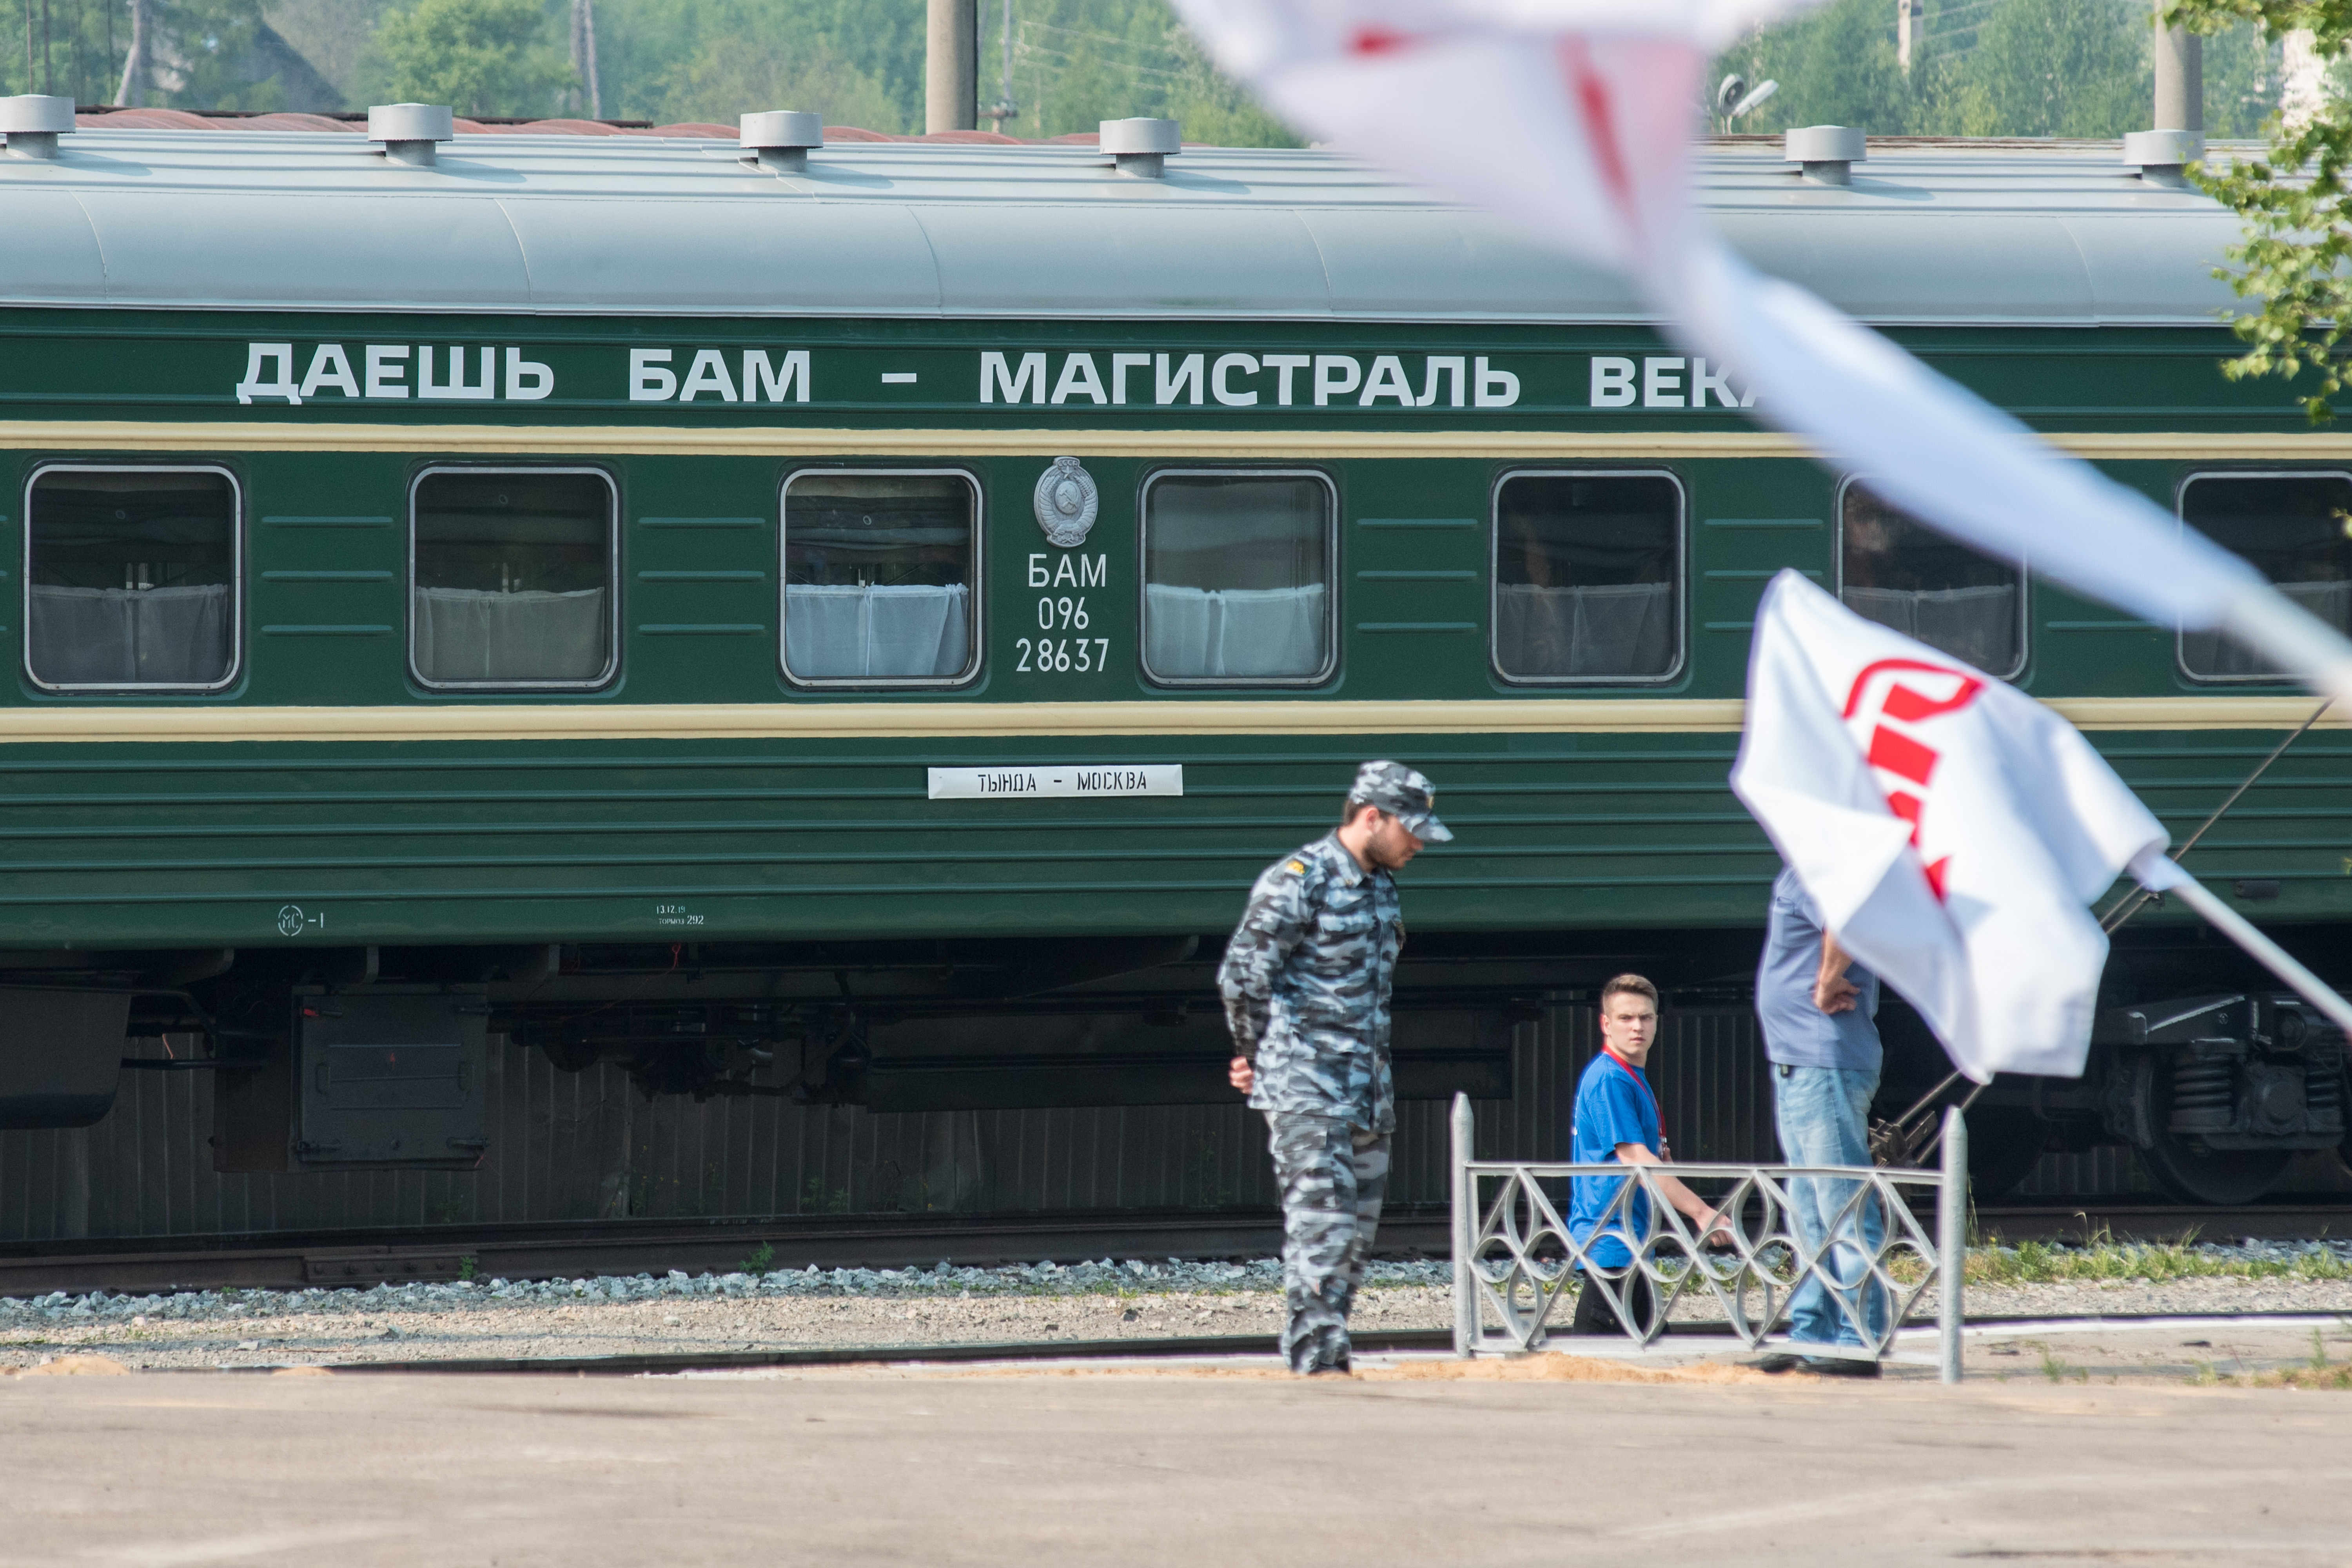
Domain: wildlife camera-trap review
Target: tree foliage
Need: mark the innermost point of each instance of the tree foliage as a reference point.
(2059, 67)
(1835, 65)
(481, 56)
(204, 54)
(855, 62)
(1992, 67)
(2296, 206)
(1075, 63)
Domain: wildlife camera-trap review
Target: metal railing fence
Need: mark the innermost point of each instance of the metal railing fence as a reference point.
(1848, 1236)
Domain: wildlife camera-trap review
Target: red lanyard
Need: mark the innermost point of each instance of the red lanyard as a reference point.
(1635, 1074)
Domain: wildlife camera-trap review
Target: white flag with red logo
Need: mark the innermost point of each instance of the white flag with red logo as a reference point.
(1949, 828)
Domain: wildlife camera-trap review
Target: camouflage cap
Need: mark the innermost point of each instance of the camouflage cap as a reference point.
(1404, 795)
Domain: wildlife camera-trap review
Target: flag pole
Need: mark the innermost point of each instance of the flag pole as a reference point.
(2159, 875)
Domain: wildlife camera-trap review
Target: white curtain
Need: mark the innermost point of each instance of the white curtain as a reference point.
(481, 633)
(1978, 625)
(2208, 653)
(128, 636)
(855, 631)
(1615, 628)
(1210, 634)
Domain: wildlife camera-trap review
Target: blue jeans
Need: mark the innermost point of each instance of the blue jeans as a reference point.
(1823, 1118)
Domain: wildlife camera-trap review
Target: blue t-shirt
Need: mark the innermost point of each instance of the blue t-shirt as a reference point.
(1797, 1033)
(1613, 1106)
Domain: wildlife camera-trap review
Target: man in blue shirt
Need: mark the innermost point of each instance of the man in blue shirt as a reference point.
(1616, 1121)
(1820, 1010)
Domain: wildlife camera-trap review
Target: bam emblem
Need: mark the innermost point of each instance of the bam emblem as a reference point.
(1895, 702)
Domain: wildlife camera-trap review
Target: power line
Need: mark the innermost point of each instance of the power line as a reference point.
(1093, 38)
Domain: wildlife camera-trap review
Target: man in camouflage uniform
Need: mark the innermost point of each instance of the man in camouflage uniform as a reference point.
(1305, 981)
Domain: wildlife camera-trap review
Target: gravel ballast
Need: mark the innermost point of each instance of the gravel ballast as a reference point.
(810, 1309)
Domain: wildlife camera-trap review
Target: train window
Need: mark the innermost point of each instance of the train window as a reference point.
(511, 577)
(879, 574)
(130, 578)
(1237, 578)
(1586, 570)
(1896, 571)
(2291, 527)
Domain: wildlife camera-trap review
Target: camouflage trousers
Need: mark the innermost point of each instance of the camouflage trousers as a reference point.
(1333, 1179)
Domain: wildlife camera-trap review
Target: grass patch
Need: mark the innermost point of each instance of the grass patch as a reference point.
(2057, 1371)
(2050, 1263)
(2338, 1377)
(2046, 1263)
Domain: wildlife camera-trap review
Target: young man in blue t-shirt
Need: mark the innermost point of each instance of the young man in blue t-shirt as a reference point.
(1617, 1121)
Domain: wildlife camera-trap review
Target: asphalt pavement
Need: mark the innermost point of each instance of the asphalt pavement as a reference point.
(1219, 1463)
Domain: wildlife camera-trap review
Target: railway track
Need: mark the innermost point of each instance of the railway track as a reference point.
(361, 1260)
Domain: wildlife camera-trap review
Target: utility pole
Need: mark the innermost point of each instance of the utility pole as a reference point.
(584, 55)
(1910, 17)
(133, 91)
(2180, 80)
(952, 66)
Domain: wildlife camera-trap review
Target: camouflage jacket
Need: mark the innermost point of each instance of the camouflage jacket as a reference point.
(1305, 981)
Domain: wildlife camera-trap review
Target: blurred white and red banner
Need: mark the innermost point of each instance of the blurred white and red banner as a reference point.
(1950, 828)
(1573, 121)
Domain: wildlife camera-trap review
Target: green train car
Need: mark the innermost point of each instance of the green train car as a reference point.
(853, 629)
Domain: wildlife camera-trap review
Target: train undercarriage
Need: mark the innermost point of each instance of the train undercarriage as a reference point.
(376, 1057)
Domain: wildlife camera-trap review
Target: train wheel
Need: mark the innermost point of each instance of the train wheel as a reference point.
(2004, 1146)
(2219, 1177)
(2234, 1176)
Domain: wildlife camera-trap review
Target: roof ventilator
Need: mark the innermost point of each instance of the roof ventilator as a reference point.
(2162, 156)
(1140, 148)
(780, 140)
(410, 132)
(33, 122)
(1828, 152)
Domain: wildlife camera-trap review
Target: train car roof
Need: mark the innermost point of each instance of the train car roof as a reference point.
(2053, 234)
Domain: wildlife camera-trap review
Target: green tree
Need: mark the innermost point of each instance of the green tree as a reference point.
(1079, 62)
(2060, 68)
(2241, 84)
(671, 59)
(1084, 91)
(1835, 66)
(2296, 202)
(1991, 67)
(201, 54)
(481, 56)
(69, 50)
(726, 77)
(1212, 107)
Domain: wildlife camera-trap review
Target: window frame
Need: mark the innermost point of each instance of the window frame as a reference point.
(1330, 665)
(2180, 519)
(1681, 581)
(236, 579)
(974, 661)
(2024, 584)
(611, 565)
